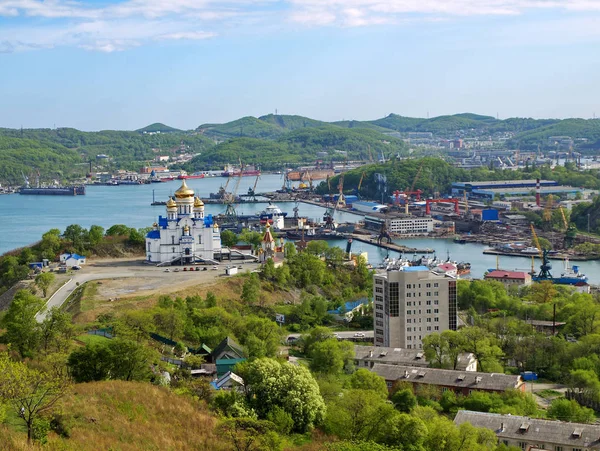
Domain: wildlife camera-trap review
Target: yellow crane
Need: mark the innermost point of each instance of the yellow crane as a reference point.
(548, 208)
(361, 180)
(564, 218)
(536, 241)
(341, 202)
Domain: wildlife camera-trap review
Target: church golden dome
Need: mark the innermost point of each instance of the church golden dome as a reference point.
(198, 202)
(184, 191)
(171, 203)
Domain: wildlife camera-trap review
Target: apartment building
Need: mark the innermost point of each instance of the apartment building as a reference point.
(411, 303)
(531, 434)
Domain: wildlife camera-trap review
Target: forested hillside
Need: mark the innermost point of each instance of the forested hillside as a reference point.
(299, 146)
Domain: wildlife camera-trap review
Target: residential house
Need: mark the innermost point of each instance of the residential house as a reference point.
(226, 355)
(368, 356)
(461, 382)
(71, 260)
(508, 278)
(228, 381)
(533, 433)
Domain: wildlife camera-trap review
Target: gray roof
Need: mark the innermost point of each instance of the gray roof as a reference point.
(534, 431)
(401, 356)
(473, 380)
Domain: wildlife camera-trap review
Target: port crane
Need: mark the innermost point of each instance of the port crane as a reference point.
(570, 230)
(230, 213)
(252, 191)
(544, 273)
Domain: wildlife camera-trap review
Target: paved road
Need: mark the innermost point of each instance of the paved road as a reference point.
(347, 335)
(60, 296)
(119, 269)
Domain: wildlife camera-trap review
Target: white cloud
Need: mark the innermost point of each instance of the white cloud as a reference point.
(191, 35)
(96, 25)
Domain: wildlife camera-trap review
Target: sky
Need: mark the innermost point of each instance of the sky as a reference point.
(123, 64)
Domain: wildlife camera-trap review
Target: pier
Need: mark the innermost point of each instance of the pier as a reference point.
(550, 257)
(390, 246)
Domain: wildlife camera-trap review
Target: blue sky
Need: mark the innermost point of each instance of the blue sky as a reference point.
(122, 64)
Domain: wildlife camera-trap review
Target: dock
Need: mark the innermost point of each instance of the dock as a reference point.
(390, 246)
(550, 257)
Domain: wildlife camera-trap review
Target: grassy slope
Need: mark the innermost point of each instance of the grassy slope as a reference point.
(158, 127)
(127, 416)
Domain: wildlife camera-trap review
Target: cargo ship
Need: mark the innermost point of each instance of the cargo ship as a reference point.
(245, 171)
(192, 176)
(570, 276)
(78, 190)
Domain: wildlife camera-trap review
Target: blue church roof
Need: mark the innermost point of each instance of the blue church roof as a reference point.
(153, 234)
(163, 222)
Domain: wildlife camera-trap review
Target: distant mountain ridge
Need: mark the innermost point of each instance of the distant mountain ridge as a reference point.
(158, 127)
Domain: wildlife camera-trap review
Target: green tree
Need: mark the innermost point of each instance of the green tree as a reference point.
(251, 237)
(50, 244)
(330, 356)
(270, 383)
(251, 289)
(289, 250)
(56, 331)
(30, 393)
(76, 235)
(170, 322)
(22, 329)
(247, 434)
(569, 410)
(44, 280)
(95, 234)
(364, 379)
(228, 238)
(118, 359)
(360, 415)
(317, 247)
(404, 400)
(118, 230)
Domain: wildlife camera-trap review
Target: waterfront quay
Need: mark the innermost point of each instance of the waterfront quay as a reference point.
(390, 246)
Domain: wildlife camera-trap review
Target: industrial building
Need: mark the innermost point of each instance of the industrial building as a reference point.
(400, 223)
(411, 303)
(509, 188)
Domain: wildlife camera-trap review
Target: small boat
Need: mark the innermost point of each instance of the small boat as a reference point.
(192, 176)
(530, 251)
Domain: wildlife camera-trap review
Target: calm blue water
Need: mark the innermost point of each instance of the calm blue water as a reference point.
(24, 219)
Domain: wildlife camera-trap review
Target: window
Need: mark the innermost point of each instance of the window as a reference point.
(558, 448)
(379, 306)
(436, 327)
(149, 247)
(173, 250)
(379, 323)
(428, 285)
(408, 329)
(428, 311)
(409, 338)
(436, 310)
(378, 289)
(394, 299)
(523, 445)
(409, 312)
(378, 298)
(409, 320)
(408, 286)
(436, 293)
(429, 293)
(379, 331)
(435, 285)
(199, 239)
(428, 320)
(428, 302)
(436, 320)
(408, 295)
(428, 328)
(378, 315)
(407, 347)
(436, 302)
(378, 282)
(173, 239)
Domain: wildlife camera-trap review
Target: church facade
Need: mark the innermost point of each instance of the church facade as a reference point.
(185, 235)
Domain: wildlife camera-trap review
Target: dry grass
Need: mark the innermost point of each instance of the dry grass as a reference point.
(128, 416)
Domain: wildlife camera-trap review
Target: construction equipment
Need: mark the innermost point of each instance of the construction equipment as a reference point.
(341, 200)
(570, 229)
(252, 191)
(230, 213)
(466, 201)
(547, 215)
(544, 273)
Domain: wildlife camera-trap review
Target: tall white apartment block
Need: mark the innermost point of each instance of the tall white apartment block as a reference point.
(411, 303)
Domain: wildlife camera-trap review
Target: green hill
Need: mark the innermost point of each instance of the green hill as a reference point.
(158, 127)
(20, 156)
(361, 124)
(249, 127)
(300, 145)
(588, 129)
(288, 122)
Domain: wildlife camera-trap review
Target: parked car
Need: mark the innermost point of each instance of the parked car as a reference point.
(176, 269)
(359, 335)
(167, 270)
(76, 268)
(205, 269)
(215, 268)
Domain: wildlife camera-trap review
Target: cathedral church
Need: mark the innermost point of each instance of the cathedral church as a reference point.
(184, 236)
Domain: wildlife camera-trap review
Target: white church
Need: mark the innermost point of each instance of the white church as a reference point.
(184, 236)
